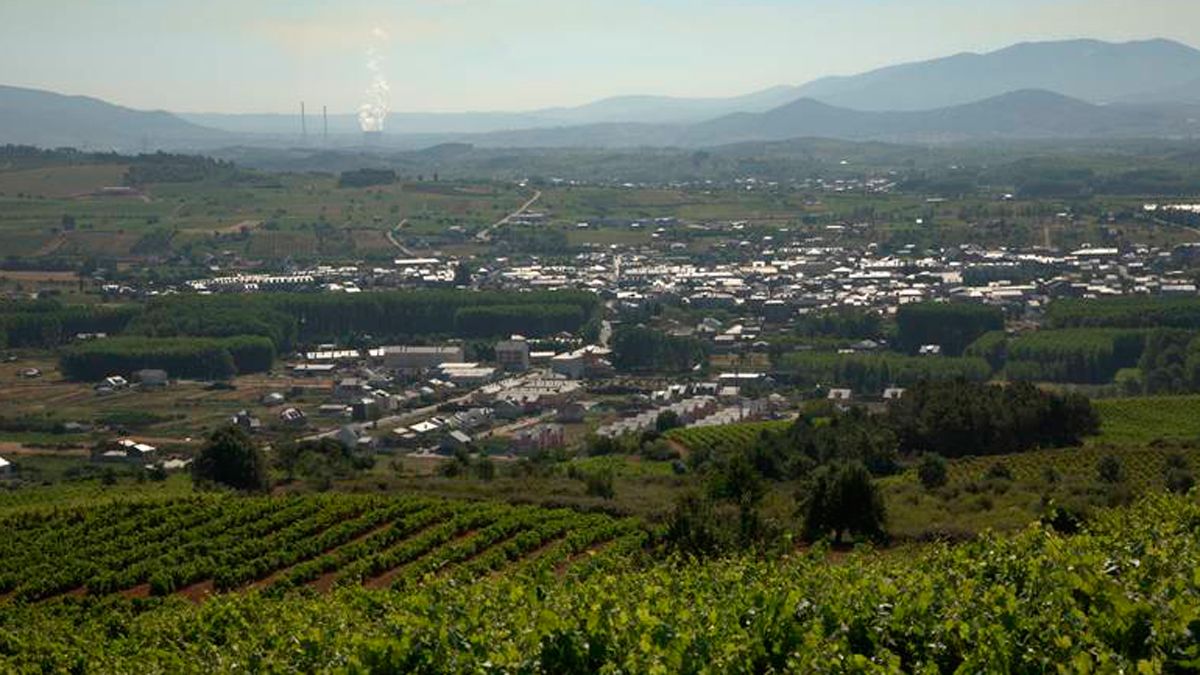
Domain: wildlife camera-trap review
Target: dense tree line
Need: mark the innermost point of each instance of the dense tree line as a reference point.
(874, 372)
(325, 316)
(366, 178)
(504, 320)
(953, 326)
(48, 323)
(957, 418)
(200, 358)
(638, 348)
(162, 167)
(1085, 355)
(825, 436)
(200, 317)
(313, 317)
(992, 347)
(288, 318)
(840, 323)
(1125, 312)
(1170, 362)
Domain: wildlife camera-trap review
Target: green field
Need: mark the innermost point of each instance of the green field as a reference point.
(284, 215)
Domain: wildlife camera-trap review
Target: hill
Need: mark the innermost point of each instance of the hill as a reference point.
(47, 119)
(1090, 70)
(1019, 114)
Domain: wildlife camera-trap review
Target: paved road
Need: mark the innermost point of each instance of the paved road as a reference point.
(486, 234)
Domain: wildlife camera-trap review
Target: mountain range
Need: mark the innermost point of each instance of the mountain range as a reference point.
(1069, 89)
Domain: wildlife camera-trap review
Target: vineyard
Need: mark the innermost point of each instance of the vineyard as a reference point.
(1144, 468)
(1142, 420)
(1121, 597)
(725, 437)
(205, 544)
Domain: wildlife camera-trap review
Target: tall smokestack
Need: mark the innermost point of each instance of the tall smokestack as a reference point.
(303, 124)
(325, 125)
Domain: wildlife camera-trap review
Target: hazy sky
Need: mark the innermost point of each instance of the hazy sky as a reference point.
(441, 55)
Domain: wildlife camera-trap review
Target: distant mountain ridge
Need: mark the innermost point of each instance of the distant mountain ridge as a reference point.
(1027, 114)
(1089, 70)
(1069, 89)
(47, 119)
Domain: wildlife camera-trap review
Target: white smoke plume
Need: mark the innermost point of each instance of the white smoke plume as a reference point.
(374, 110)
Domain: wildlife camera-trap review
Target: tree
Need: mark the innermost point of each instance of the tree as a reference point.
(231, 458)
(843, 499)
(932, 470)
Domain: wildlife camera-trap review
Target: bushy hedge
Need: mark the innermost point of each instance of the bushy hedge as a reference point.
(328, 316)
(200, 358)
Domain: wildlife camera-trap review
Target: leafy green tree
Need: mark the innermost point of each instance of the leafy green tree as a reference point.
(231, 458)
(842, 499)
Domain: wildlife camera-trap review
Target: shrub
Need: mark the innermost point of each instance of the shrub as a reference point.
(1110, 470)
(932, 471)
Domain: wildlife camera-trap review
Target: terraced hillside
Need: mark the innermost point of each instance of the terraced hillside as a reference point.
(209, 544)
